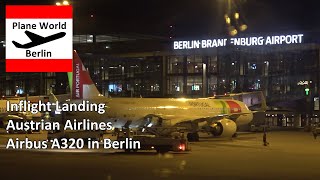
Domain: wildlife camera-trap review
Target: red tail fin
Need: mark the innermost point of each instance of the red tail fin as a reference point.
(82, 86)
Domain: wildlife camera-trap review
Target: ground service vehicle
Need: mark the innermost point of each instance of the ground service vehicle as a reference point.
(158, 143)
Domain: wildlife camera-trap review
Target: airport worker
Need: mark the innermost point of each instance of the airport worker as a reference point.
(315, 134)
(265, 143)
(265, 139)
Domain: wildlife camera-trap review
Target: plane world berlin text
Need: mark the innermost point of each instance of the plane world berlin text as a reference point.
(39, 38)
(239, 41)
(41, 25)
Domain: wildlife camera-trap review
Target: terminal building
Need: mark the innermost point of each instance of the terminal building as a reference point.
(286, 70)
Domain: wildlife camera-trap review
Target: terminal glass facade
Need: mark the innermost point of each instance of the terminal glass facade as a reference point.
(282, 72)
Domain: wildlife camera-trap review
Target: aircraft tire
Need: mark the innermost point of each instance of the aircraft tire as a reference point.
(193, 137)
(235, 135)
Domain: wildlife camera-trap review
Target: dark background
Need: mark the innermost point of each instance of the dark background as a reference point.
(189, 18)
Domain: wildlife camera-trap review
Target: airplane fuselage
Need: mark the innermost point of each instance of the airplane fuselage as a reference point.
(173, 111)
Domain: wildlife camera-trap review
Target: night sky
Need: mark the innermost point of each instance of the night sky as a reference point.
(189, 18)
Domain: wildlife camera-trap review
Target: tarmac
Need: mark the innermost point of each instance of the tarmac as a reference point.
(290, 155)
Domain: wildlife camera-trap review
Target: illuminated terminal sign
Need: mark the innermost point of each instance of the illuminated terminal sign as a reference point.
(239, 41)
(302, 83)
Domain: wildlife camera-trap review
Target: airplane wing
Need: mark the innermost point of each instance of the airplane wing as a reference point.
(32, 36)
(174, 120)
(232, 116)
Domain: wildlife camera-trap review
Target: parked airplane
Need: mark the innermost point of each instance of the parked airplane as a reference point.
(38, 40)
(217, 116)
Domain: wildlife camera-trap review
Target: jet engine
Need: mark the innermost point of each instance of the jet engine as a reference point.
(223, 128)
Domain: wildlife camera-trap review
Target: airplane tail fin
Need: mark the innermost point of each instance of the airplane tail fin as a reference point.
(18, 45)
(80, 82)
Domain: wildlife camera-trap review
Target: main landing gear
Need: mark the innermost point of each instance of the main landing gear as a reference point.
(193, 137)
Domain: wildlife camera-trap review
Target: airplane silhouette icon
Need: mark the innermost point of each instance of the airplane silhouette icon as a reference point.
(36, 40)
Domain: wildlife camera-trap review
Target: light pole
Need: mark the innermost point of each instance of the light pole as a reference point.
(63, 3)
(234, 20)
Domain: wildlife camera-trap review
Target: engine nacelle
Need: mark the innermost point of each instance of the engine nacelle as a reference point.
(223, 128)
(244, 119)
